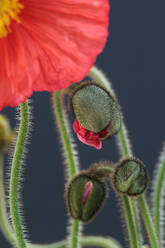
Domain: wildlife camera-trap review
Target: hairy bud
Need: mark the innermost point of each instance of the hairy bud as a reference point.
(97, 114)
(85, 196)
(130, 177)
(6, 135)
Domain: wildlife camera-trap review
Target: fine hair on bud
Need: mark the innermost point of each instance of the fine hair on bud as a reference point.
(85, 196)
(130, 177)
(95, 108)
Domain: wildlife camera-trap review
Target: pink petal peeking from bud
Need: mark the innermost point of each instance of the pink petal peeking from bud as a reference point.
(88, 137)
(88, 189)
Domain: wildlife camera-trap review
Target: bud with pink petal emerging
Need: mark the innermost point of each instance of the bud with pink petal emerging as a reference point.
(85, 196)
(97, 114)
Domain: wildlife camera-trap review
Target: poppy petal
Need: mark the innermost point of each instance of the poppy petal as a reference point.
(55, 45)
(87, 137)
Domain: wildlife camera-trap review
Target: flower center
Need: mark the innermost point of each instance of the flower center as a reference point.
(9, 9)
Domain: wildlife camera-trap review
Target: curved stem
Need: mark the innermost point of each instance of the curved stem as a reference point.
(129, 216)
(145, 212)
(64, 133)
(63, 126)
(124, 144)
(159, 185)
(15, 174)
(4, 221)
(103, 170)
(130, 203)
(85, 241)
(125, 149)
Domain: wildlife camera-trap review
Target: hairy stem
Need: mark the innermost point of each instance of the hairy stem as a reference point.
(151, 231)
(158, 196)
(130, 205)
(130, 220)
(4, 221)
(124, 144)
(63, 126)
(15, 174)
(64, 132)
(93, 241)
(105, 170)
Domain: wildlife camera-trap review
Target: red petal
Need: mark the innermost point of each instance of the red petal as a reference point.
(55, 45)
(88, 137)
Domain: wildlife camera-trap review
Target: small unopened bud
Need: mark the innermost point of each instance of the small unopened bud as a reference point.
(6, 135)
(85, 196)
(97, 114)
(130, 177)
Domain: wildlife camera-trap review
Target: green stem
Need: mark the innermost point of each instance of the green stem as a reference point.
(123, 141)
(75, 233)
(84, 241)
(63, 126)
(145, 212)
(15, 174)
(104, 170)
(4, 221)
(99, 241)
(129, 215)
(159, 185)
(129, 205)
(138, 223)
(64, 133)
(126, 151)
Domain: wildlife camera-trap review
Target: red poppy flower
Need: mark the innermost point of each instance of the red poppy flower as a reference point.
(88, 137)
(48, 44)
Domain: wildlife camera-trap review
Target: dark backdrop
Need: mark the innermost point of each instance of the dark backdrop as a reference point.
(134, 60)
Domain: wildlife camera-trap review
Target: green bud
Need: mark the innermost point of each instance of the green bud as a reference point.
(95, 109)
(6, 135)
(85, 196)
(130, 177)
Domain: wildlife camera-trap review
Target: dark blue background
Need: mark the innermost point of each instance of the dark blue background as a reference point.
(134, 60)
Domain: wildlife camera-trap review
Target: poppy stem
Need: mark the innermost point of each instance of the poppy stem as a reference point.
(148, 222)
(107, 171)
(93, 241)
(15, 175)
(69, 152)
(130, 205)
(4, 221)
(158, 195)
(144, 209)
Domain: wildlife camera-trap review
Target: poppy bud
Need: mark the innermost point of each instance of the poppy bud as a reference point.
(130, 177)
(85, 196)
(97, 114)
(6, 135)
